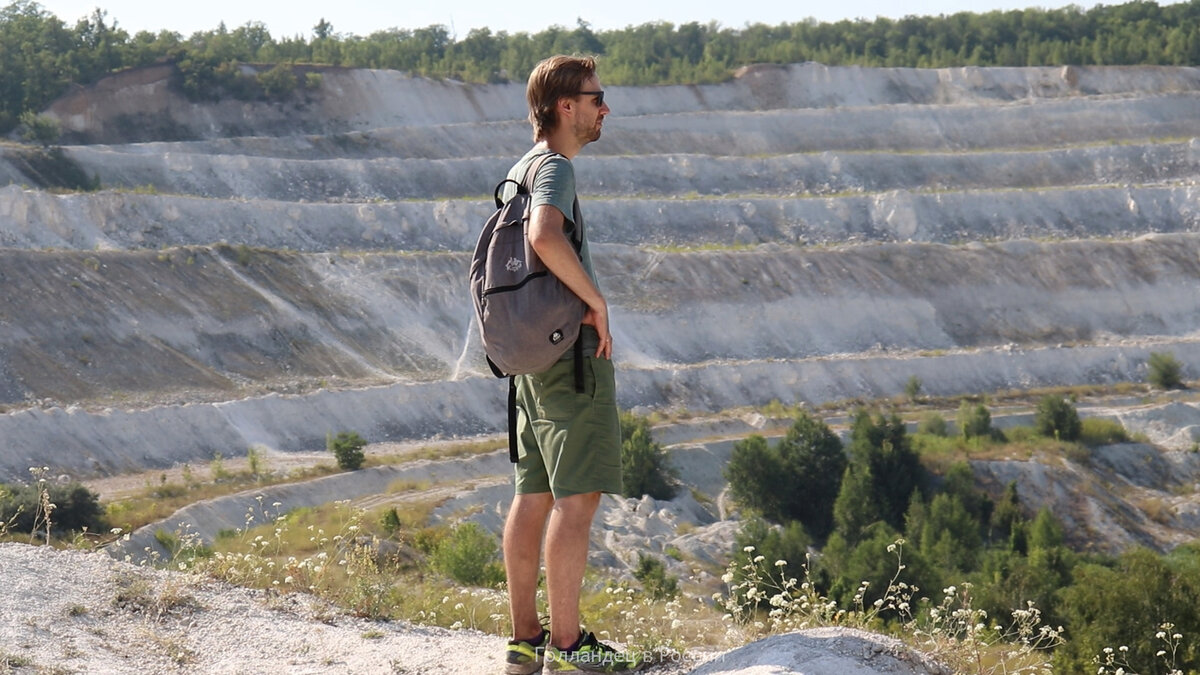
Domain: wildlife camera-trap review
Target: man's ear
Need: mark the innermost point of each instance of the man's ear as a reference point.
(566, 106)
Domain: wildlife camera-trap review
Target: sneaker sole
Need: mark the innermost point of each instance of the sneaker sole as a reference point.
(522, 668)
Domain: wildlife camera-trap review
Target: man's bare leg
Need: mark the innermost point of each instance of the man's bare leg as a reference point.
(522, 552)
(567, 538)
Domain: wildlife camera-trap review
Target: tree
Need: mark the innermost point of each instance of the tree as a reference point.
(1057, 418)
(645, 468)
(40, 129)
(278, 82)
(974, 421)
(933, 424)
(813, 461)
(323, 30)
(347, 448)
(1165, 370)
(468, 555)
(880, 444)
(798, 479)
(652, 573)
(912, 388)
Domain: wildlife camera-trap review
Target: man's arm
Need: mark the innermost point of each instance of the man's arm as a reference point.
(548, 240)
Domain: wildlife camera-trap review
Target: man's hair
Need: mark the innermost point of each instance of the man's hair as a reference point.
(551, 80)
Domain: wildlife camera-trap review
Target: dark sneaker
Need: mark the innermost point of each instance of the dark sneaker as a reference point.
(525, 658)
(592, 656)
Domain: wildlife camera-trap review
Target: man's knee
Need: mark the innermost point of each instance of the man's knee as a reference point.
(578, 506)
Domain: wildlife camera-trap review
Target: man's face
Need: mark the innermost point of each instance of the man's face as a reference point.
(589, 116)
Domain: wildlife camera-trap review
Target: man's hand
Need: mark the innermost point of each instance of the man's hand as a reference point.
(598, 318)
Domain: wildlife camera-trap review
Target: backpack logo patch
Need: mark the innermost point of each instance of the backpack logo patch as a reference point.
(514, 265)
(556, 337)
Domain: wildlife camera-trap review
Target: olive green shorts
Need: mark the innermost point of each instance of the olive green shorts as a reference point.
(568, 443)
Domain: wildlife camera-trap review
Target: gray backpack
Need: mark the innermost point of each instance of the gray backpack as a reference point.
(527, 318)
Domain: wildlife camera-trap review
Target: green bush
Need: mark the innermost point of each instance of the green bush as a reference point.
(974, 421)
(933, 424)
(75, 507)
(652, 573)
(468, 555)
(1165, 370)
(347, 448)
(278, 82)
(1056, 418)
(1101, 431)
(645, 469)
(912, 388)
(41, 129)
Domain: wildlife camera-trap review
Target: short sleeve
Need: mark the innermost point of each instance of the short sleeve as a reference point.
(555, 185)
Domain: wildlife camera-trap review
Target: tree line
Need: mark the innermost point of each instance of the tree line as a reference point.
(44, 56)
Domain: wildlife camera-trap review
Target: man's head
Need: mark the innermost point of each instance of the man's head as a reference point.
(558, 79)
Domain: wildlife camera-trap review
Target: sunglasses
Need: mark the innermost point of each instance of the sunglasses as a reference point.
(598, 94)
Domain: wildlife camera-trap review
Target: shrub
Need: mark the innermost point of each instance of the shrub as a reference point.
(41, 129)
(933, 424)
(912, 388)
(347, 449)
(278, 82)
(468, 555)
(1165, 370)
(1101, 431)
(974, 421)
(1057, 418)
(75, 507)
(645, 469)
(652, 573)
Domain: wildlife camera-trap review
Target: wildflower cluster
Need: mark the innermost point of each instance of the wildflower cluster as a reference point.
(791, 604)
(960, 635)
(1116, 661)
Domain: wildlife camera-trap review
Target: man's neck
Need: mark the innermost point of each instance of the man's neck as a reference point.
(562, 142)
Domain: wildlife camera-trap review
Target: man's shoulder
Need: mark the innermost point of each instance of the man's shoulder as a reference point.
(554, 163)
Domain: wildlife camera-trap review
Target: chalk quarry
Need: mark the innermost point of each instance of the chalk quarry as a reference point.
(264, 274)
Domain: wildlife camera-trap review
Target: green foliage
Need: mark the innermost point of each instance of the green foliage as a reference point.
(974, 421)
(279, 82)
(347, 448)
(468, 555)
(1056, 418)
(1126, 605)
(75, 507)
(798, 479)
(881, 443)
(255, 460)
(1165, 371)
(932, 424)
(391, 522)
(40, 129)
(645, 468)
(1096, 431)
(788, 543)
(912, 388)
(217, 468)
(652, 574)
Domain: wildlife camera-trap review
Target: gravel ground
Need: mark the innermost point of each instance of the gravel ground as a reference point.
(79, 612)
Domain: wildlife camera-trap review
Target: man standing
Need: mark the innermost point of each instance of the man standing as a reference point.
(569, 442)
